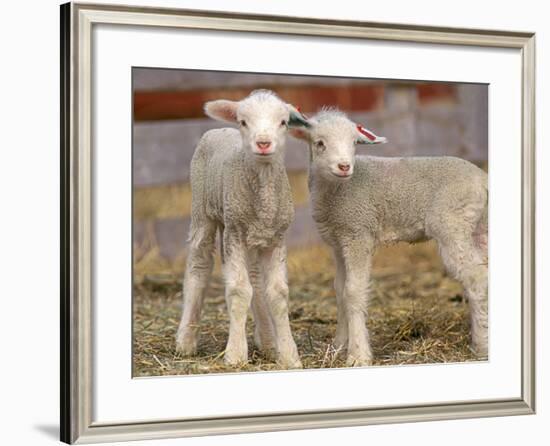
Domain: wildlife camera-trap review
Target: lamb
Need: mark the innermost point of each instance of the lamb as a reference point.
(240, 188)
(361, 202)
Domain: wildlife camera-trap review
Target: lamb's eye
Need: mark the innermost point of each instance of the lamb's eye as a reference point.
(320, 145)
(283, 123)
(243, 123)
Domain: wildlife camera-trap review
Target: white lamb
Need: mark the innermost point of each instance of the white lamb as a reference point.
(240, 187)
(360, 202)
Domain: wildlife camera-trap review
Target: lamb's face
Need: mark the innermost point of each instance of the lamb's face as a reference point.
(332, 144)
(263, 121)
(332, 138)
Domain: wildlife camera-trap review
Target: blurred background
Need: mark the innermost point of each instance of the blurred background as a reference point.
(417, 314)
(418, 118)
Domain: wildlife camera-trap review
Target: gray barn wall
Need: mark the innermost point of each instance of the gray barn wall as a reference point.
(162, 150)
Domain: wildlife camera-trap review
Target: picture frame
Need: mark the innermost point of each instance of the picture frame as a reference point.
(77, 222)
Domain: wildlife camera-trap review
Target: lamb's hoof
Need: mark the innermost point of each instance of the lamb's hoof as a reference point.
(481, 351)
(290, 363)
(353, 361)
(186, 346)
(288, 357)
(266, 346)
(234, 358)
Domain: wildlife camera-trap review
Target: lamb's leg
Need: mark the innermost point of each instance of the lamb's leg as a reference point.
(195, 283)
(479, 305)
(264, 334)
(341, 338)
(276, 293)
(465, 262)
(357, 262)
(238, 294)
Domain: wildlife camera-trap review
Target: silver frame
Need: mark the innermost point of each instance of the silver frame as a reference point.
(77, 21)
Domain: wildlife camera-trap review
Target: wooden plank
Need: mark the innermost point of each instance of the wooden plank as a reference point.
(436, 92)
(163, 149)
(165, 105)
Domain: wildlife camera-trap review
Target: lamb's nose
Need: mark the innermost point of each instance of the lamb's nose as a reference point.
(263, 145)
(344, 167)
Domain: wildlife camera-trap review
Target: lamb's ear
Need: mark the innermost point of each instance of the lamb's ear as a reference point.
(299, 133)
(365, 136)
(222, 110)
(297, 118)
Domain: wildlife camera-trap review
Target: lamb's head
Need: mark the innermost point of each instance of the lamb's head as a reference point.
(263, 119)
(332, 137)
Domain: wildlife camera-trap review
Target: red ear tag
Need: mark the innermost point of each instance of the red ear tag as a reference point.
(300, 110)
(367, 134)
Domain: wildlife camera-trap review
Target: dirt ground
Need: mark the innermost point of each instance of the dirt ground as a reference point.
(416, 315)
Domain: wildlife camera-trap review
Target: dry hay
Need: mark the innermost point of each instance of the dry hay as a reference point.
(416, 315)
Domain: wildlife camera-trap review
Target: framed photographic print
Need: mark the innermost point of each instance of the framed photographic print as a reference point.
(274, 223)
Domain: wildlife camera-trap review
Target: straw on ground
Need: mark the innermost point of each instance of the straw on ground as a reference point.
(416, 315)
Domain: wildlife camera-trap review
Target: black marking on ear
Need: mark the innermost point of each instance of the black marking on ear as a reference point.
(297, 120)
